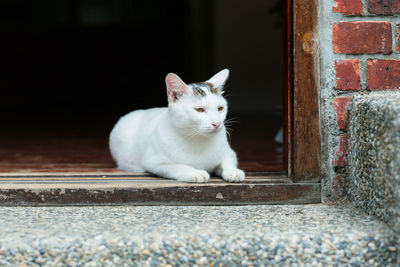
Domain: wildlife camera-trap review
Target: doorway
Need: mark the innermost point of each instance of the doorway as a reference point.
(72, 68)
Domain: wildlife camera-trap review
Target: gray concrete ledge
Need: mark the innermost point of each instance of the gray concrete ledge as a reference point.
(291, 235)
(374, 156)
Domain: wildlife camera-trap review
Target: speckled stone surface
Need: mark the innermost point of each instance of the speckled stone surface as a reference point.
(302, 235)
(373, 183)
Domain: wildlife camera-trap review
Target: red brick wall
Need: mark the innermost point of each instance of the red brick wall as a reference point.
(365, 36)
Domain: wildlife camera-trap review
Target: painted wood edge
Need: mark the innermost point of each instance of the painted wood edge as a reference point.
(238, 194)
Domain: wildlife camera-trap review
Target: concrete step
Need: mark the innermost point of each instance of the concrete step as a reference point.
(281, 235)
(374, 156)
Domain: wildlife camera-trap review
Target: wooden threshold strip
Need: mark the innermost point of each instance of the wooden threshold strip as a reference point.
(61, 189)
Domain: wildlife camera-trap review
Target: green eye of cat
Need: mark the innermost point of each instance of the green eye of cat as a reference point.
(200, 109)
(220, 108)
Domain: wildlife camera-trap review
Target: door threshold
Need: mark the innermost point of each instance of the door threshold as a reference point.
(88, 189)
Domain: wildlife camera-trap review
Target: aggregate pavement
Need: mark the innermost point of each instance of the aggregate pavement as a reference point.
(373, 182)
(270, 235)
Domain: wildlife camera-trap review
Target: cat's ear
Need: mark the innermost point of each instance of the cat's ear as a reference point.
(219, 79)
(175, 87)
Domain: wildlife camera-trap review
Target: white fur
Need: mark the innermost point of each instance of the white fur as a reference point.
(178, 142)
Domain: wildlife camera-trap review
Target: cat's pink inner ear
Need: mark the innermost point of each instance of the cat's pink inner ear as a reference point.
(175, 87)
(219, 79)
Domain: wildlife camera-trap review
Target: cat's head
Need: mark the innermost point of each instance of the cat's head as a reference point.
(197, 109)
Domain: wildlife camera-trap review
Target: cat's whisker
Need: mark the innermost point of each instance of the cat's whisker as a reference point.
(232, 119)
(229, 130)
(229, 136)
(228, 125)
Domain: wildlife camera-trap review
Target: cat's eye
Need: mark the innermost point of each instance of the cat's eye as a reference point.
(220, 108)
(200, 109)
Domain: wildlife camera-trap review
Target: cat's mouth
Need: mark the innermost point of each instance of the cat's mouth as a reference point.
(204, 131)
(214, 130)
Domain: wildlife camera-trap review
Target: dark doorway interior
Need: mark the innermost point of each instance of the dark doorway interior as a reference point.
(71, 68)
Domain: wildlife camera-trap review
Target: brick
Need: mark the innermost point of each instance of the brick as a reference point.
(383, 74)
(384, 7)
(362, 37)
(340, 159)
(338, 187)
(347, 74)
(340, 105)
(348, 7)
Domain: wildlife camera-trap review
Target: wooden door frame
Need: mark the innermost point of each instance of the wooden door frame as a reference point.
(301, 95)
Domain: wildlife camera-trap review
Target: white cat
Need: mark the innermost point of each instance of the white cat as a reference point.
(185, 141)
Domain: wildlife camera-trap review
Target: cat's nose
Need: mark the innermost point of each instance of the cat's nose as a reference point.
(216, 124)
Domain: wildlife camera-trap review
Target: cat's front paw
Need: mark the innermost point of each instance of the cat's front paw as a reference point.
(196, 176)
(233, 175)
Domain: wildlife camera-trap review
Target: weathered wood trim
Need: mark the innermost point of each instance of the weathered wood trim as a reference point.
(306, 145)
(17, 180)
(159, 194)
(287, 45)
(63, 189)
